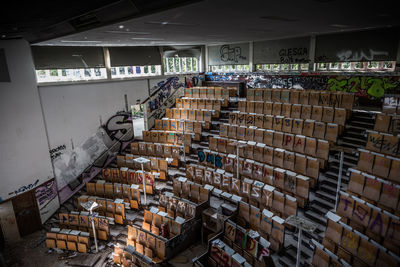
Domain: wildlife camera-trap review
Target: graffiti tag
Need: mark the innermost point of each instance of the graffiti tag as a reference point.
(24, 188)
(234, 54)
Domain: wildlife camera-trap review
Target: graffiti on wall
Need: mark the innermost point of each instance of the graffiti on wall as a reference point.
(24, 188)
(74, 163)
(45, 193)
(231, 54)
(164, 95)
(47, 200)
(164, 90)
(348, 55)
(56, 152)
(363, 86)
(293, 55)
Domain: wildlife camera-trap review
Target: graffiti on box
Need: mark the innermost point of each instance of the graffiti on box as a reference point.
(363, 86)
(24, 188)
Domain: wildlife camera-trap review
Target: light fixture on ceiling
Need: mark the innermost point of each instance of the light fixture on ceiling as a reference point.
(76, 41)
(3, 36)
(147, 39)
(125, 32)
(167, 23)
(121, 26)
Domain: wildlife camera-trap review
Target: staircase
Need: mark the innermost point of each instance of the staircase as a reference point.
(323, 198)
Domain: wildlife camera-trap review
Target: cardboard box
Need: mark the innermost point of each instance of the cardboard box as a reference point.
(268, 108)
(316, 113)
(201, 103)
(259, 121)
(287, 125)
(196, 92)
(314, 98)
(296, 111)
(308, 127)
(268, 121)
(250, 106)
(297, 127)
(294, 96)
(328, 113)
(276, 109)
(232, 133)
(305, 112)
(277, 125)
(276, 95)
(304, 97)
(286, 110)
(250, 119)
(267, 96)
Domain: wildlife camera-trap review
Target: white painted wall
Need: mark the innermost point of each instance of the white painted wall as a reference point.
(72, 111)
(24, 156)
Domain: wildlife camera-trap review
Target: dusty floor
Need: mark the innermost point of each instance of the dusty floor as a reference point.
(32, 252)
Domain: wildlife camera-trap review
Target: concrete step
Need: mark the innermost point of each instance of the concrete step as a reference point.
(347, 163)
(290, 253)
(328, 189)
(315, 217)
(324, 203)
(362, 140)
(342, 142)
(363, 124)
(326, 196)
(315, 207)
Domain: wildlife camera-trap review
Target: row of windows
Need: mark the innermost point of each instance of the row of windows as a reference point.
(70, 75)
(180, 65)
(322, 67)
(135, 71)
(357, 66)
(172, 65)
(230, 68)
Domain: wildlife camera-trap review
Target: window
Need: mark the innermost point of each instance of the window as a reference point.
(372, 66)
(135, 71)
(180, 65)
(230, 68)
(304, 67)
(294, 67)
(346, 66)
(334, 66)
(282, 67)
(70, 75)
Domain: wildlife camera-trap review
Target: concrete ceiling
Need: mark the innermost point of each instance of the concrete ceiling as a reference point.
(228, 21)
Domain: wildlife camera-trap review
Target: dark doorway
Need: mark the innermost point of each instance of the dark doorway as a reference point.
(26, 213)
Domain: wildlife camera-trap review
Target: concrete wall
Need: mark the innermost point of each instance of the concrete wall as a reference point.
(24, 160)
(73, 111)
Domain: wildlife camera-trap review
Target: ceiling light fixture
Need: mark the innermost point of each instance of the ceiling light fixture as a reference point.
(121, 26)
(147, 39)
(124, 32)
(75, 41)
(167, 23)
